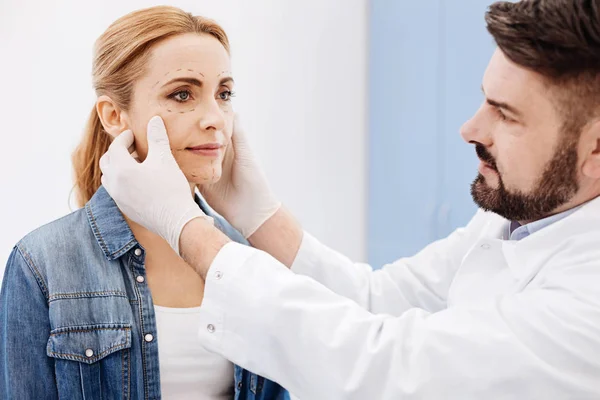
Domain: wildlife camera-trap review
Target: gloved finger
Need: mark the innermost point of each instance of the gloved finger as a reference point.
(241, 148)
(118, 152)
(158, 140)
(136, 156)
(239, 135)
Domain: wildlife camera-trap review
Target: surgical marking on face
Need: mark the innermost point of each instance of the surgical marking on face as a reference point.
(163, 102)
(167, 102)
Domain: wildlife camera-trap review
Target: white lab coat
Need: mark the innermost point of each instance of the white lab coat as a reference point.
(472, 316)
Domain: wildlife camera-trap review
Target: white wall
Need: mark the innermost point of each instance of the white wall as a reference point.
(300, 68)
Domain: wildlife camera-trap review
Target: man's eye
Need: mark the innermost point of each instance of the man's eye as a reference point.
(502, 116)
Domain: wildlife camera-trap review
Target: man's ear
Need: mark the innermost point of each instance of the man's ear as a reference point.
(590, 143)
(114, 120)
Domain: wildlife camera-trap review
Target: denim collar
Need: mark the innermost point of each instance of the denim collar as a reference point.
(113, 234)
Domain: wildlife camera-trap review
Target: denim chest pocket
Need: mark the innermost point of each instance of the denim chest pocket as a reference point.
(92, 361)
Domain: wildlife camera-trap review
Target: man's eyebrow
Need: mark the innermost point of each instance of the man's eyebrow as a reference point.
(503, 105)
(226, 79)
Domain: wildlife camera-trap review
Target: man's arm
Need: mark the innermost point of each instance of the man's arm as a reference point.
(199, 244)
(280, 236)
(420, 281)
(319, 345)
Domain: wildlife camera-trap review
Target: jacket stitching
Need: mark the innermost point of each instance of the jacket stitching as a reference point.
(66, 330)
(97, 357)
(95, 228)
(123, 373)
(71, 295)
(117, 253)
(34, 271)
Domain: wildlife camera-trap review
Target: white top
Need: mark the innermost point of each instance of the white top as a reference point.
(470, 317)
(187, 370)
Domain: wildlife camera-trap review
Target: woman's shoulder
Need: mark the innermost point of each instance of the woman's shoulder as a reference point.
(58, 234)
(58, 243)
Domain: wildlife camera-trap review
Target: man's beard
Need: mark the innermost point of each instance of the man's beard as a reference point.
(557, 185)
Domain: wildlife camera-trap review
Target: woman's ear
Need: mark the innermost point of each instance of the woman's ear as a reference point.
(114, 120)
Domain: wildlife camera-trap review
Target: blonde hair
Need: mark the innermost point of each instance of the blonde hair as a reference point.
(120, 55)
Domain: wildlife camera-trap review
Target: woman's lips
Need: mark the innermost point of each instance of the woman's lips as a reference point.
(207, 150)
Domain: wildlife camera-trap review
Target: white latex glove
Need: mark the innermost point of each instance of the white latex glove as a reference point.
(154, 193)
(242, 195)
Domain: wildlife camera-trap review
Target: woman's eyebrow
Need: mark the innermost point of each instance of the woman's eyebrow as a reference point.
(191, 81)
(197, 82)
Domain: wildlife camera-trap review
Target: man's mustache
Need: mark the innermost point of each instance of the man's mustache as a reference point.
(485, 156)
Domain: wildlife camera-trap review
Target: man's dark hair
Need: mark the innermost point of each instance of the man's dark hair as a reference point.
(560, 39)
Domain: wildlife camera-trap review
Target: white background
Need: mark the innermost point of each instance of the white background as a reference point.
(301, 73)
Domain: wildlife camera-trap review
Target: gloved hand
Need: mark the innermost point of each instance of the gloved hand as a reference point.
(154, 193)
(242, 195)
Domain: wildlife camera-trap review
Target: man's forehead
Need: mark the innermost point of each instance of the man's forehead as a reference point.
(508, 82)
(502, 75)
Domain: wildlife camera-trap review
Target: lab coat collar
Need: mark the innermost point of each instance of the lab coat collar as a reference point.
(563, 238)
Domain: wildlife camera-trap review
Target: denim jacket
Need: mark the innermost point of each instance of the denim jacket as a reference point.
(77, 318)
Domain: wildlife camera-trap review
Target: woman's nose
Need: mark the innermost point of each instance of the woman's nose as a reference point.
(213, 116)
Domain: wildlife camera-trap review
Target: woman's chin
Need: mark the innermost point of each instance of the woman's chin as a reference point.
(203, 174)
(204, 179)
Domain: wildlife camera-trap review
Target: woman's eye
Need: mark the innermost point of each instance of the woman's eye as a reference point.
(226, 95)
(181, 96)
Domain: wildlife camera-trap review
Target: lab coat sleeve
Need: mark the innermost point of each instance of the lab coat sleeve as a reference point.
(421, 281)
(536, 345)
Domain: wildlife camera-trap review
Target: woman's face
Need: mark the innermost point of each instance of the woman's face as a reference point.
(188, 83)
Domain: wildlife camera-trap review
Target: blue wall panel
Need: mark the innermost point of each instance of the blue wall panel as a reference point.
(426, 64)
